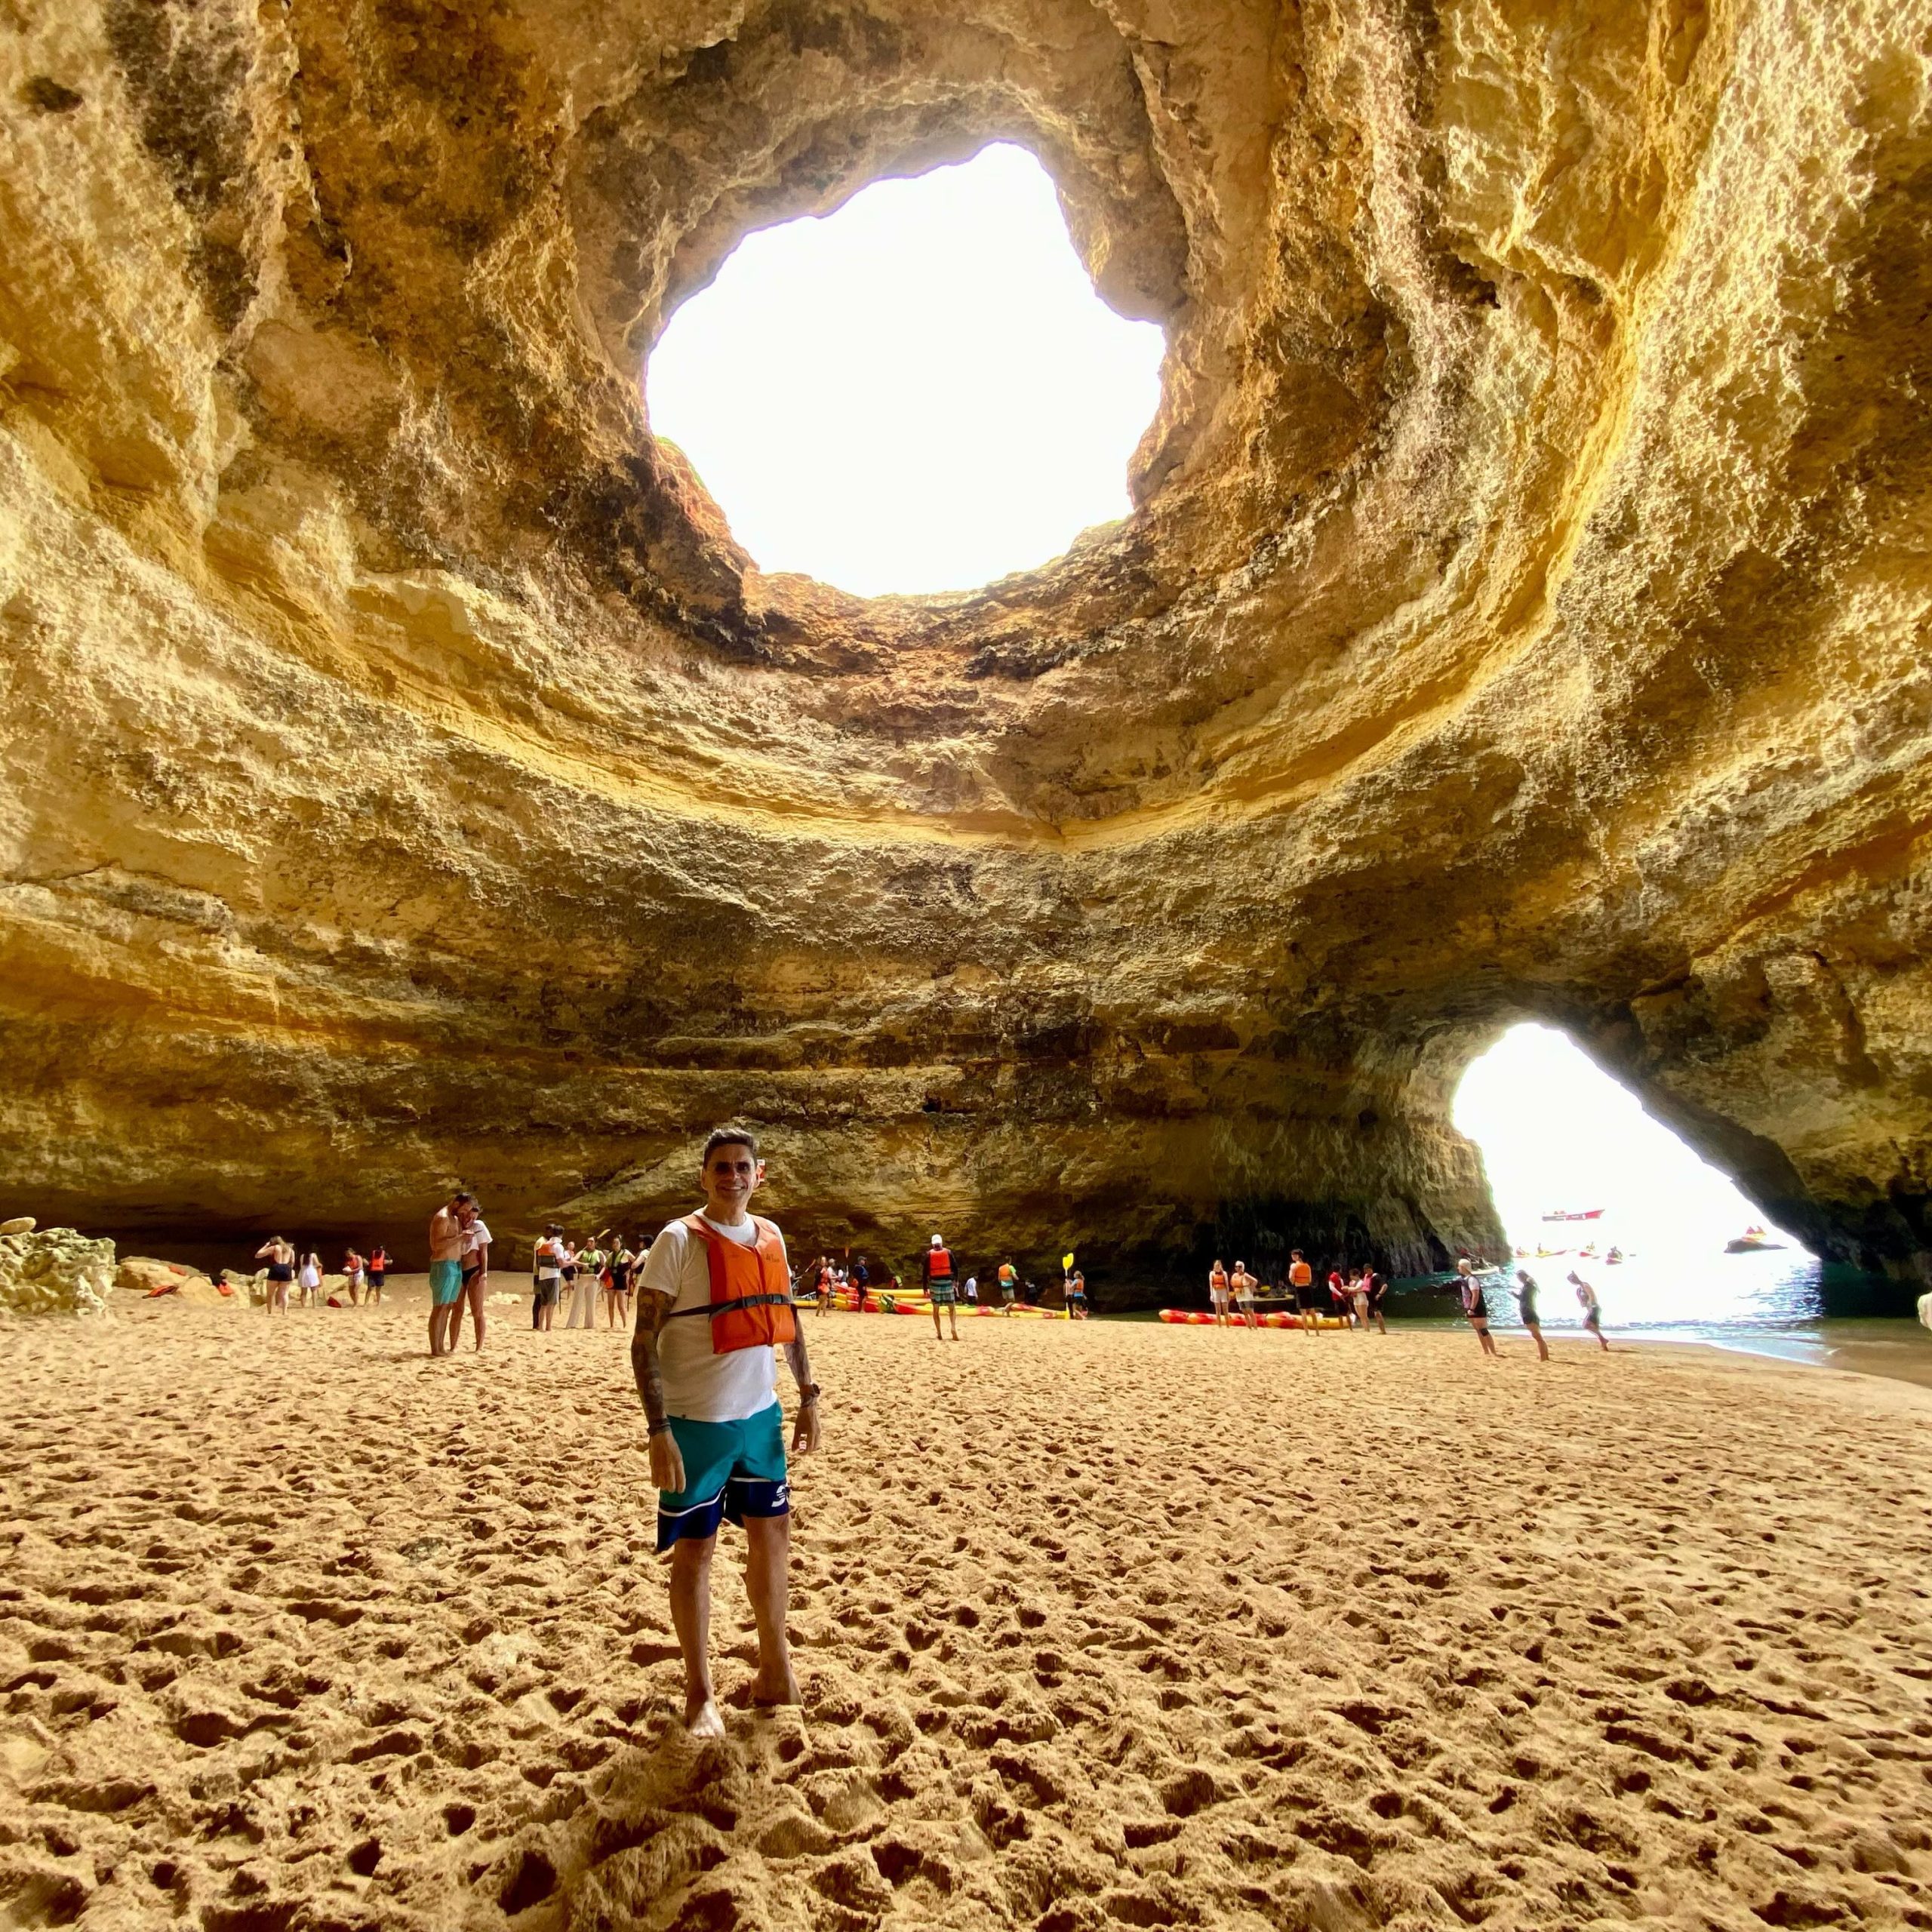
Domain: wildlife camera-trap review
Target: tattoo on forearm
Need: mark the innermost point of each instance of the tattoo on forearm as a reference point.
(800, 1364)
(652, 1309)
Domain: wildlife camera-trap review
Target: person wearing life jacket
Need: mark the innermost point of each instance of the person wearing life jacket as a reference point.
(1244, 1284)
(937, 1266)
(715, 1301)
(1009, 1280)
(1301, 1278)
(1217, 1292)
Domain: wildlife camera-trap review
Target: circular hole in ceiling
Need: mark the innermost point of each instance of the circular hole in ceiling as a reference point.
(920, 392)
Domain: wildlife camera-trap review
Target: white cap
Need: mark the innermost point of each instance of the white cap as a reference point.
(937, 1242)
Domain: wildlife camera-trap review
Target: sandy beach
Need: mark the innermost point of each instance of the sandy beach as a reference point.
(1099, 1626)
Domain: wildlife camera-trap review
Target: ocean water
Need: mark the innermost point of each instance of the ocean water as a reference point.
(1782, 1302)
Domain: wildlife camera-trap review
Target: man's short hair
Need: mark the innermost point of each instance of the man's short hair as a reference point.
(460, 1196)
(728, 1137)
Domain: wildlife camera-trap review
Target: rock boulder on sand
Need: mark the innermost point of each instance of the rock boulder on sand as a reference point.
(21, 1224)
(143, 1275)
(54, 1271)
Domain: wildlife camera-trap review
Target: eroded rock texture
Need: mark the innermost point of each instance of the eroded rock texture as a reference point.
(406, 775)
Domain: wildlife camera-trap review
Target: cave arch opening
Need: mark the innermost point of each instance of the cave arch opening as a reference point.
(1562, 1138)
(918, 393)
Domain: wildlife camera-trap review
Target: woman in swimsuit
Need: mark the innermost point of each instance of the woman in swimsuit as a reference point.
(352, 1275)
(616, 1281)
(280, 1258)
(1474, 1306)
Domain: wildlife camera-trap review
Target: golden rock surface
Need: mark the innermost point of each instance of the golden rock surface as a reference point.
(407, 777)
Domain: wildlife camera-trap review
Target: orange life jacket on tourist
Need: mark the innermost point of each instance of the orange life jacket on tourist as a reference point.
(1300, 1274)
(751, 1290)
(938, 1264)
(1217, 1278)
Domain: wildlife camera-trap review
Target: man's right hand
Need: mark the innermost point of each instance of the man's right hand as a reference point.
(667, 1464)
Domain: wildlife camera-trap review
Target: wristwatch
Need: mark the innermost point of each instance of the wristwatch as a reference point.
(809, 1393)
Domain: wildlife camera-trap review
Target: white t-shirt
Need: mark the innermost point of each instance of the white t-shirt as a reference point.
(549, 1257)
(476, 1235)
(698, 1385)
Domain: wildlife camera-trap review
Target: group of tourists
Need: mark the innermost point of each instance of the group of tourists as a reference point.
(828, 1285)
(583, 1274)
(363, 1275)
(1353, 1300)
(1475, 1307)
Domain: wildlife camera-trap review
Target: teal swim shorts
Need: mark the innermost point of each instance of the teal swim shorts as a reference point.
(445, 1281)
(733, 1469)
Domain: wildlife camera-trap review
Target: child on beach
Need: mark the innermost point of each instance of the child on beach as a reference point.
(378, 1271)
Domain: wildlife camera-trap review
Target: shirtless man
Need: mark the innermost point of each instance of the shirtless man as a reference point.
(715, 1300)
(1301, 1278)
(446, 1239)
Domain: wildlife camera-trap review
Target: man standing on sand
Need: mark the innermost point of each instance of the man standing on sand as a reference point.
(446, 1239)
(937, 1268)
(1301, 1279)
(1244, 1284)
(1377, 1285)
(715, 1300)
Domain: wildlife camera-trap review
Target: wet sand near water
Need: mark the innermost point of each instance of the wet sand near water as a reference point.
(1100, 1625)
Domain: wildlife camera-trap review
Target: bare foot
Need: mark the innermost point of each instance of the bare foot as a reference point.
(775, 1686)
(701, 1718)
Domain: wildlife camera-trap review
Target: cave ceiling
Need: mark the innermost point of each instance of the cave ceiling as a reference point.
(407, 777)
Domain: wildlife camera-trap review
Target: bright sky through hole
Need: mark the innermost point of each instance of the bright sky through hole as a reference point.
(920, 391)
(1556, 1132)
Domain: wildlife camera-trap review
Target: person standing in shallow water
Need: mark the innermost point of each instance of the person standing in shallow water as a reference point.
(714, 1300)
(1526, 1307)
(1474, 1305)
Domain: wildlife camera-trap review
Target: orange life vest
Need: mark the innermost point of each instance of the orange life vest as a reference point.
(938, 1264)
(1300, 1274)
(751, 1290)
(1217, 1277)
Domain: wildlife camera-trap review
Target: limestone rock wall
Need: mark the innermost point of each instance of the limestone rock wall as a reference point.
(404, 776)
